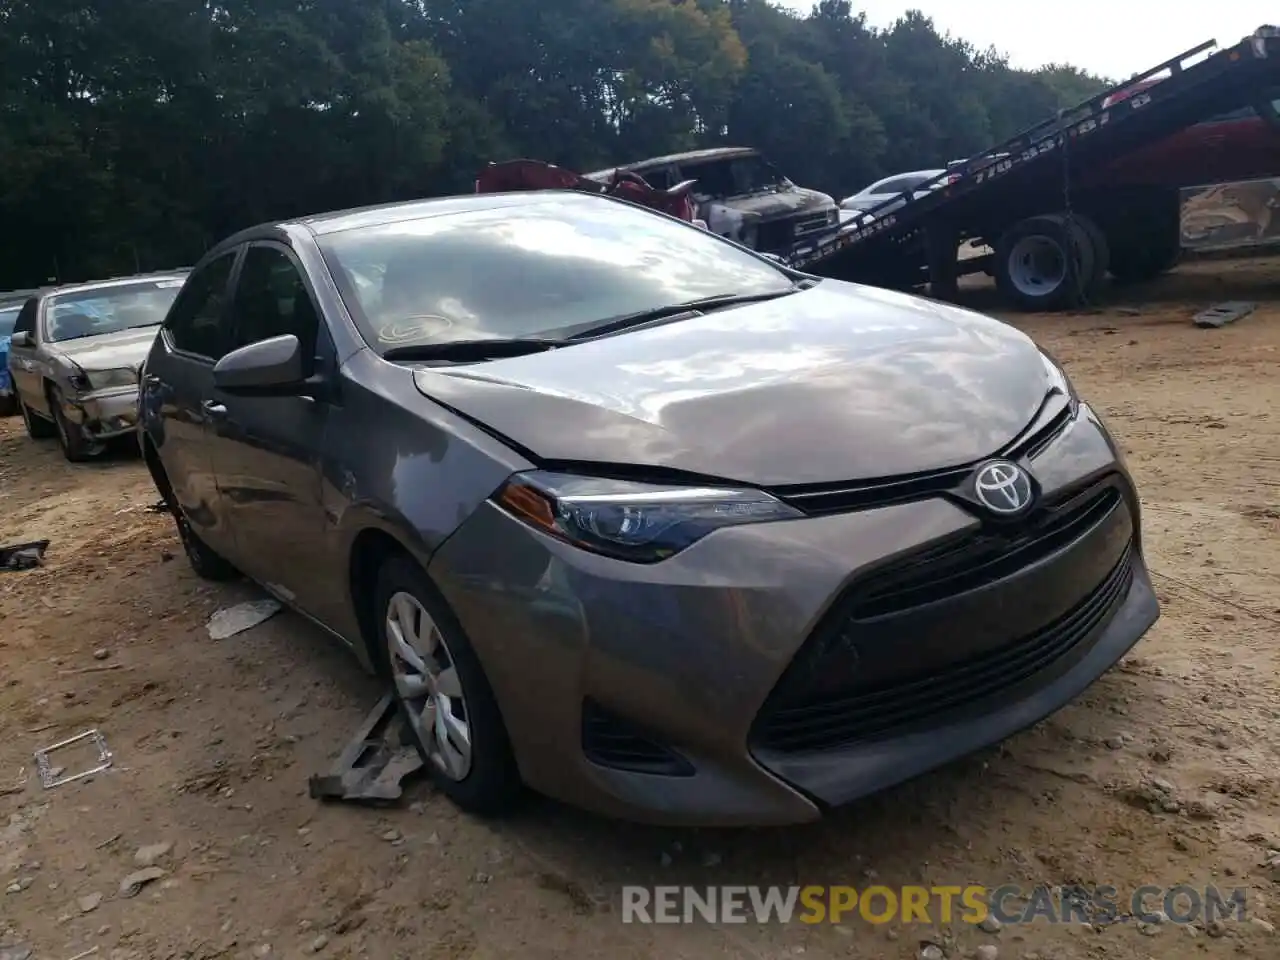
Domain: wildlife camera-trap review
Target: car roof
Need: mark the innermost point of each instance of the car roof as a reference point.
(913, 173)
(689, 156)
(385, 213)
(337, 221)
(110, 282)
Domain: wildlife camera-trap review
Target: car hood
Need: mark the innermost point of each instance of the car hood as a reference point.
(838, 382)
(766, 206)
(126, 348)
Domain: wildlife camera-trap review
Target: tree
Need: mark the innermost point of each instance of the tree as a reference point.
(135, 133)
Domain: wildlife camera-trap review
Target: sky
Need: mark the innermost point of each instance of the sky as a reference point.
(1114, 38)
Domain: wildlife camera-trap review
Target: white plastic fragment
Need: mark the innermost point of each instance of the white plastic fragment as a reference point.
(228, 621)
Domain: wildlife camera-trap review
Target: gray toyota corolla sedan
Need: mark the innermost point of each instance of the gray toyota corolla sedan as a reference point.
(638, 518)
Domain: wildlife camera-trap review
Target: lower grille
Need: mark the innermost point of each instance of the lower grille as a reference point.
(610, 741)
(823, 724)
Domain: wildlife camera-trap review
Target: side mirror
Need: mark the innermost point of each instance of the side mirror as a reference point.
(268, 367)
(20, 339)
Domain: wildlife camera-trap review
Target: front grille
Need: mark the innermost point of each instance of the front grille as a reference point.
(775, 235)
(969, 561)
(814, 223)
(823, 724)
(821, 499)
(610, 741)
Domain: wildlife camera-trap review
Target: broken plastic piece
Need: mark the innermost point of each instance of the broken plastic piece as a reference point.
(23, 556)
(371, 767)
(229, 621)
(49, 777)
(1220, 314)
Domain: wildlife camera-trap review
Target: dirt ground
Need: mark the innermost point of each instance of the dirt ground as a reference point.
(214, 741)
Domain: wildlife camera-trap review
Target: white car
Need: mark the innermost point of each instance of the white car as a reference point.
(889, 194)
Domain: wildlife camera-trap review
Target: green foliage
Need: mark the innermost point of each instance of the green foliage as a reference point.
(135, 133)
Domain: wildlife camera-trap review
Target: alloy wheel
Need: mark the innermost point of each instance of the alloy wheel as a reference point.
(427, 683)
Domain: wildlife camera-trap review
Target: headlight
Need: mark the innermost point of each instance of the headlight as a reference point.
(639, 522)
(117, 377)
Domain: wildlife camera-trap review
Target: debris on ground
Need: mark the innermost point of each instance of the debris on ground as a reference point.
(1220, 314)
(151, 854)
(373, 764)
(23, 556)
(228, 621)
(51, 776)
(132, 885)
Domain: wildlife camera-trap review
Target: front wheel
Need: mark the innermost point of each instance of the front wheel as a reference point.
(8, 405)
(38, 428)
(442, 694)
(76, 447)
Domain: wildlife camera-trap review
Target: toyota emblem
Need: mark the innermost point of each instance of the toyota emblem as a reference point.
(1003, 487)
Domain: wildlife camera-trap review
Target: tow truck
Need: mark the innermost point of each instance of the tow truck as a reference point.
(1094, 190)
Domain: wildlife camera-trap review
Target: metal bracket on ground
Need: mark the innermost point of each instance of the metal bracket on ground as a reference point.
(1220, 314)
(49, 776)
(373, 765)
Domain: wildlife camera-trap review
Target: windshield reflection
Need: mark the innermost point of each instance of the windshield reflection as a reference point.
(531, 270)
(93, 313)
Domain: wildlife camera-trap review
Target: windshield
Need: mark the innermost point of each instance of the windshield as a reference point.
(8, 317)
(91, 313)
(733, 177)
(533, 270)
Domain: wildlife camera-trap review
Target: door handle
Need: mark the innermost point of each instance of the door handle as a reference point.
(151, 380)
(214, 409)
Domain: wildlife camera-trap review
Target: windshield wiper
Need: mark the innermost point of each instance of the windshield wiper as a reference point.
(641, 317)
(461, 351)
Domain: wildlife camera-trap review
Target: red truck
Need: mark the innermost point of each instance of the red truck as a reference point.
(1144, 226)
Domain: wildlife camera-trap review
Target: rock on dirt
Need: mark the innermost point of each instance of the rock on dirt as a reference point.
(151, 854)
(132, 885)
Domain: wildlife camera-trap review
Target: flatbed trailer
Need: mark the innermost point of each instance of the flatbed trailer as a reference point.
(1041, 199)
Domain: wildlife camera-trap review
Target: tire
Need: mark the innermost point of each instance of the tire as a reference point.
(1139, 262)
(207, 563)
(1043, 264)
(75, 447)
(485, 782)
(38, 428)
(9, 405)
(1100, 249)
(1144, 228)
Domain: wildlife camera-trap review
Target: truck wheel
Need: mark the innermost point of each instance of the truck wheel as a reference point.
(1043, 263)
(1138, 261)
(1144, 229)
(1101, 253)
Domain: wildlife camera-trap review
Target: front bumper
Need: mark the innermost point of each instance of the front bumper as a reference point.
(677, 692)
(105, 414)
